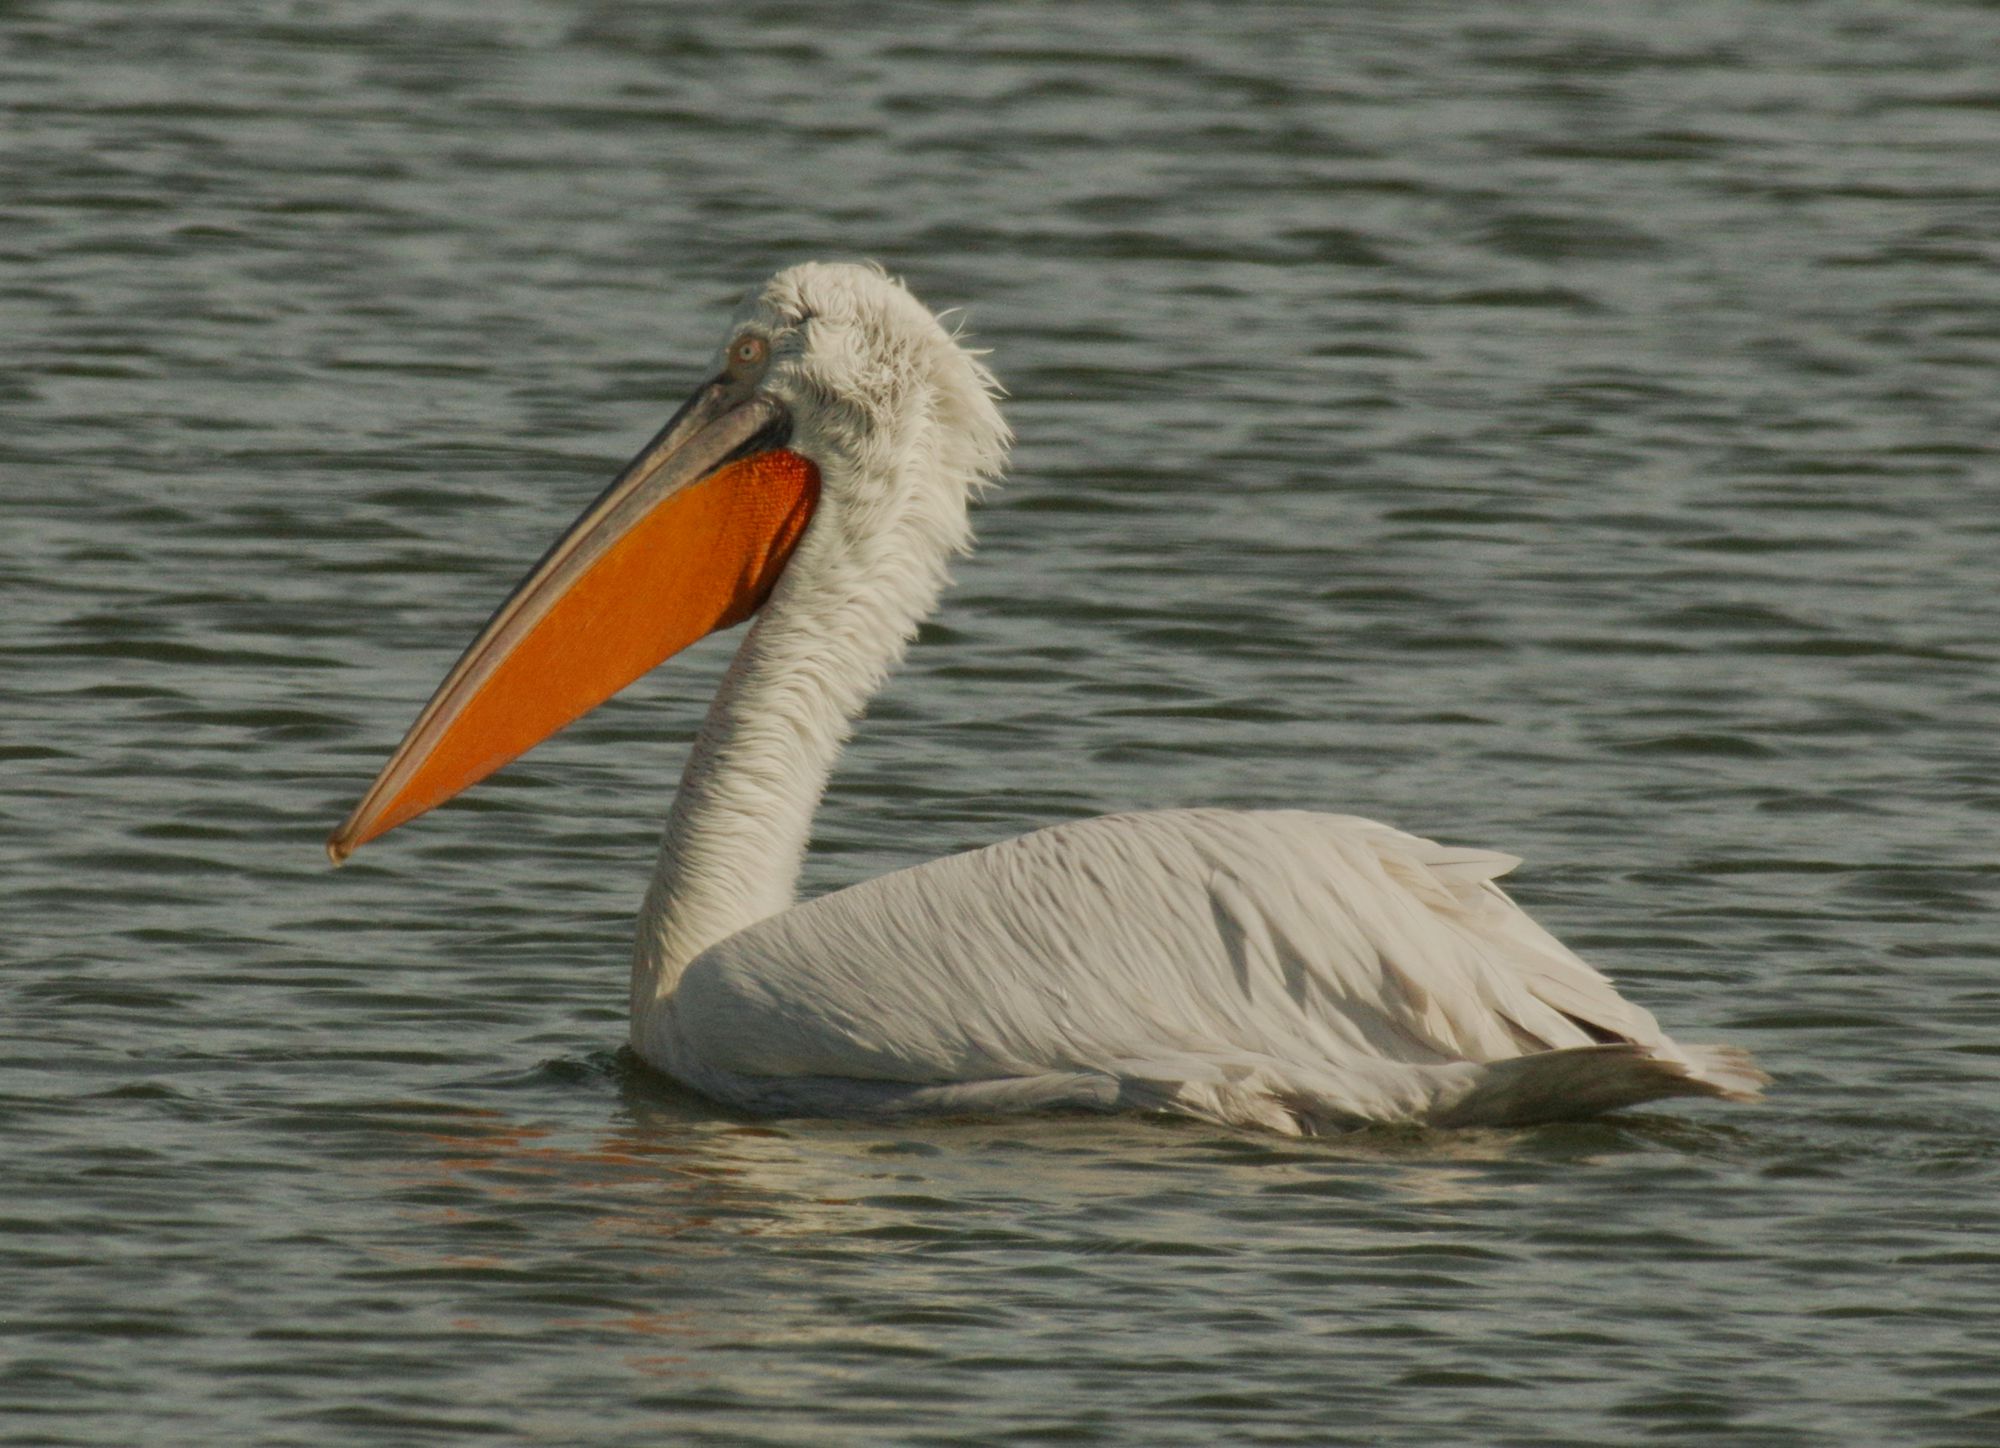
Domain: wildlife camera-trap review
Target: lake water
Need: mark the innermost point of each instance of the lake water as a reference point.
(1569, 428)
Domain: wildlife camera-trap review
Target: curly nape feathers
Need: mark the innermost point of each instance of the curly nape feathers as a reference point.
(902, 423)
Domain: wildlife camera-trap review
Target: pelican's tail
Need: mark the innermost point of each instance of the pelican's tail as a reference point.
(1587, 1080)
(1727, 1071)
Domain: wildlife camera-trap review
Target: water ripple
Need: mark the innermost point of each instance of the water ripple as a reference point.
(1566, 430)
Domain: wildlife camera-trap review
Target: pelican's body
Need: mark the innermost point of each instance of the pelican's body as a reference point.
(1281, 969)
(1287, 970)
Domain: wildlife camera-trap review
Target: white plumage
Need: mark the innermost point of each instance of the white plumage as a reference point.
(1286, 970)
(1280, 969)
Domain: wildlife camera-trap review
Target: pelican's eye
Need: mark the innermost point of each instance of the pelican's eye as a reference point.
(747, 356)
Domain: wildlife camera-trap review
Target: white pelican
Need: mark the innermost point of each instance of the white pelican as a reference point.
(1286, 970)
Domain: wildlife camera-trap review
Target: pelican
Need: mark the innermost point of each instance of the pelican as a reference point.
(1286, 970)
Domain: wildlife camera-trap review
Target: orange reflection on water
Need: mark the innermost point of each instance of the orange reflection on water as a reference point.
(702, 1186)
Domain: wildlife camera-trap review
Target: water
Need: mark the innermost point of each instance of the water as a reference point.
(1567, 429)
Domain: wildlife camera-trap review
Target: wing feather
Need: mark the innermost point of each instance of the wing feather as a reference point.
(1223, 954)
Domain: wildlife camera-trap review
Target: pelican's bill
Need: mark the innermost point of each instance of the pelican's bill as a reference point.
(689, 538)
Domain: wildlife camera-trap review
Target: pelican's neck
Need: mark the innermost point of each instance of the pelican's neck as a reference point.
(737, 834)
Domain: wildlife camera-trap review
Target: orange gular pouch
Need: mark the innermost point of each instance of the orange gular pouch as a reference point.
(613, 599)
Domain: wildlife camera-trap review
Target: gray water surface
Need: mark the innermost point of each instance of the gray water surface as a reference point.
(1567, 428)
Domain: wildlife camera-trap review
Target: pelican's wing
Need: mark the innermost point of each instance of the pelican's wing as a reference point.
(1200, 955)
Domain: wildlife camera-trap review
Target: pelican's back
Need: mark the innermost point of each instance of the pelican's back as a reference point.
(1281, 968)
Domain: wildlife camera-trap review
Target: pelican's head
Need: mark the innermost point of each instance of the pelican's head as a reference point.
(842, 423)
(880, 396)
